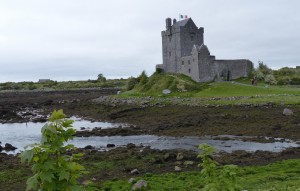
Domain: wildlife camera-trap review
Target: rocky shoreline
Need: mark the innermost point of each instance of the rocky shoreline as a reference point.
(154, 116)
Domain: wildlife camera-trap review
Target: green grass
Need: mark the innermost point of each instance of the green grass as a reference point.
(279, 176)
(236, 92)
(227, 89)
(179, 84)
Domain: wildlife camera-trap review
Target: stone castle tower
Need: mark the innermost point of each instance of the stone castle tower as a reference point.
(184, 52)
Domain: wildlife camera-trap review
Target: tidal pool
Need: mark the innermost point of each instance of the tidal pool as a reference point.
(21, 134)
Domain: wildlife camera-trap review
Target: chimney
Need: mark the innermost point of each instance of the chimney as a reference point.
(168, 23)
(174, 21)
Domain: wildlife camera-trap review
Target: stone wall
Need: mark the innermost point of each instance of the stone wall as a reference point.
(233, 69)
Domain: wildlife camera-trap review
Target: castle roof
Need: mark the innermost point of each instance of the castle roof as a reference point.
(202, 48)
(181, 23)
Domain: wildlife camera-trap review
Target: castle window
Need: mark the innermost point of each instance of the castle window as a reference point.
(169, 54)
(192, 38)
(182, 63)
(189, 70)
(189, 62)
(193, 60)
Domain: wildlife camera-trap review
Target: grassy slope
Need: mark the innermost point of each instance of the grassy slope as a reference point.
(238, 92)
(180, 85)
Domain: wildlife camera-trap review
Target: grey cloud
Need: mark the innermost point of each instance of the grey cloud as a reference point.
(78, 39)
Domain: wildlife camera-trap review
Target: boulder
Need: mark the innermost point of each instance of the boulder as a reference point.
(131, 180)
(139, 185)
(89, 147)
(186, 163)
(110, 145)
(130, 146)
(166, 91)
(177, 169)
(9, 147)
(134, 171)
(287, 112)
(179, 156)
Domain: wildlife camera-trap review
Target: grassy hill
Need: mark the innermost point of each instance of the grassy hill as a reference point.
(178, 84)
(235, 92)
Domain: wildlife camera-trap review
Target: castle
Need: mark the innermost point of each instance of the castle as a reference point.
(184, 52)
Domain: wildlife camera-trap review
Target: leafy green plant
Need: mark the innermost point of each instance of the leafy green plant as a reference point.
(216, 178)
(53, 168)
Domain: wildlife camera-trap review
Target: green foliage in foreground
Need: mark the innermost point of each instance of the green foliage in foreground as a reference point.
(279, 176)
(53, 169)
(215, 178)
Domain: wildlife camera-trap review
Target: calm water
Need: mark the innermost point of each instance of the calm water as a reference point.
(21, 134)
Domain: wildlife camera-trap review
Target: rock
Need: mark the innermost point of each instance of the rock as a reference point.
(134, 171)
(88, 147)
(179, 156)
(87, 182)
(131, 180)
(9, 147)
(110, 145)
(166, 91)
(177, 169)
(130, 145)
(139, 185)
(287, 112)
(186, 163)
(166, 156)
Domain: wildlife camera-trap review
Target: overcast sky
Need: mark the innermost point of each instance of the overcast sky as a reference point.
(78, 39)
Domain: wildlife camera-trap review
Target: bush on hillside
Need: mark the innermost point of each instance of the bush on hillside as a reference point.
(142, 78)
(285, 71)
(264, 68)
(284, 80)
(257, 74)
(131, 83)
(270, 79)
(295, 80)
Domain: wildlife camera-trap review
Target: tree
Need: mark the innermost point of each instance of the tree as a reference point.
(101, 78)
(264, 68)
(53, 168)
(142, 78)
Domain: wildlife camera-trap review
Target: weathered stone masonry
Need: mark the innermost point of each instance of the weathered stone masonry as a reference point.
(184, 52)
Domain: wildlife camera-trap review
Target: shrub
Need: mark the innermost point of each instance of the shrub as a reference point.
(295, 80)
(131, 83)
(285, 80)
(270, 79)
(257, 74)
(221, 179)
(53, 169)
(142, 78)
(264, 68)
